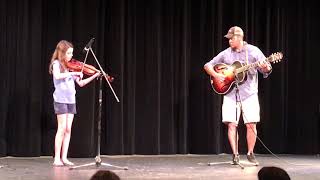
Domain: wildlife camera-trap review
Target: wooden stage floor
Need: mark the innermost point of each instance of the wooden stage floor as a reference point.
(169, 167)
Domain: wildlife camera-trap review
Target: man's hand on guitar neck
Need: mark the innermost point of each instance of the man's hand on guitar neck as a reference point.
(265, 66)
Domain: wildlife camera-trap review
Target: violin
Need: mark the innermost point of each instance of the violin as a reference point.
(77, 66)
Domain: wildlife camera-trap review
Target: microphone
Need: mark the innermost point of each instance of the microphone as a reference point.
(86, 48)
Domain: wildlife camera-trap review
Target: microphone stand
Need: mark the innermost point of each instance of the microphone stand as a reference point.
(237, 94)
(98, 162)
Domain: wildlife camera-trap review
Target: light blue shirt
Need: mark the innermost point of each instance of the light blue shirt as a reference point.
(64, 88)
(250, 84)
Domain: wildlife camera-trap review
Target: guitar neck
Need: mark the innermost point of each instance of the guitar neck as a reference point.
(249, 66)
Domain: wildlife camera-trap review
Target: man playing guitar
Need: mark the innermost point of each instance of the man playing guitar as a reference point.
(247, 97)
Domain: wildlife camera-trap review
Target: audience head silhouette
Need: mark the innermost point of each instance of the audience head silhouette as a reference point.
(273, 173)
(105, 175)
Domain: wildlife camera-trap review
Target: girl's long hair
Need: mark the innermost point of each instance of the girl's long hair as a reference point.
(59, 54)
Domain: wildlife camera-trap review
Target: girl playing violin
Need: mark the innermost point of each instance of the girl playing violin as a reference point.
(64, 98)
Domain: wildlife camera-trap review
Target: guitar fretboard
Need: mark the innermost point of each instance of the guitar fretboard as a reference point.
(248, 66)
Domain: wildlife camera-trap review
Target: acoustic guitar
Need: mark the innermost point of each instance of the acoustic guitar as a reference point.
(236, 73)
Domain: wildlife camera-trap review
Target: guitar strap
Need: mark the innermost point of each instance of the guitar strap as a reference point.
(245, 46)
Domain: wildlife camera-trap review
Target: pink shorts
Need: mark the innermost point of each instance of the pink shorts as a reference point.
(250, 108)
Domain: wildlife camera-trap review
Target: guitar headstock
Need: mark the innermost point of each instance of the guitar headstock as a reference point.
(275, 57)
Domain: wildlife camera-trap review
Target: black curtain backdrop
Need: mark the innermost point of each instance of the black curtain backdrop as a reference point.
(156, 50)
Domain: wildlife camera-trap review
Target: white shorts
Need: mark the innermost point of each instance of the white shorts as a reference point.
(250, 108)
